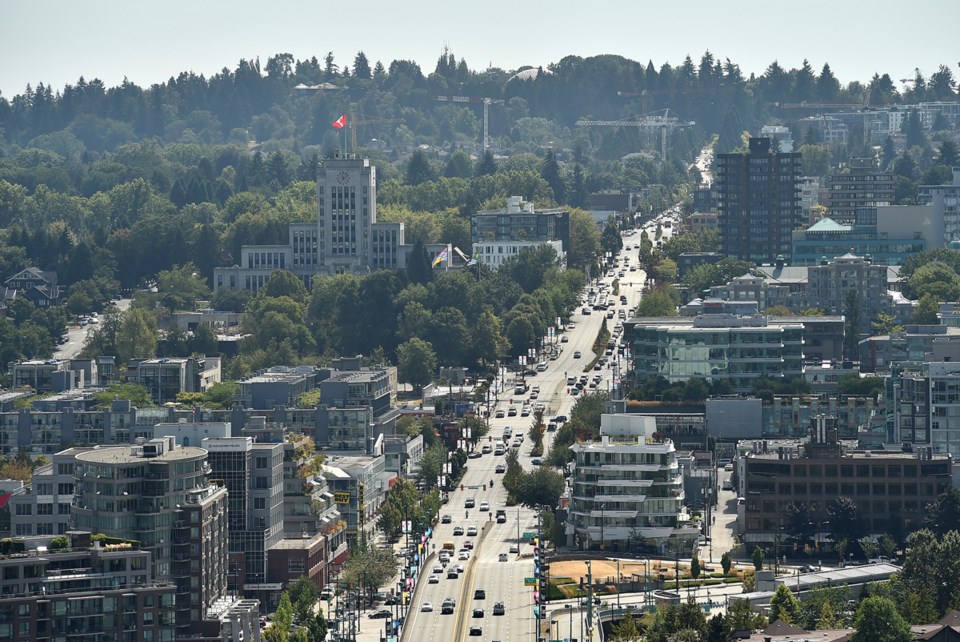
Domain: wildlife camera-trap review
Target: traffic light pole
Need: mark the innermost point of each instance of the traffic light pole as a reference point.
(589, 603)
(537, 585)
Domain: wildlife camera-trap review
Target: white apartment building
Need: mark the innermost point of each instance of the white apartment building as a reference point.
(493, 253)
(627, 495)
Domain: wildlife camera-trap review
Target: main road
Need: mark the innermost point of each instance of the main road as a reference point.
(503, 581)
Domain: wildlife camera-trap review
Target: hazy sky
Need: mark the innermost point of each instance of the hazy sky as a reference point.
(57, 41)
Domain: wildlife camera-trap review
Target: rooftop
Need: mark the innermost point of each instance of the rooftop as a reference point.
(127, 455)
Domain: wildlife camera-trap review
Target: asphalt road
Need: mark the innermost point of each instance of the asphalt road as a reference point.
(77, 335)
(504, 581)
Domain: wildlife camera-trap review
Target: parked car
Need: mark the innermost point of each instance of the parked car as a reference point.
(381, 614)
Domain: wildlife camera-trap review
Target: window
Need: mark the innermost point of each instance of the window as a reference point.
(259, 503)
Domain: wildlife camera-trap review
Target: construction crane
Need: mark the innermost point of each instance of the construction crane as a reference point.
(486, 102)
(356, 119)
(661, 123)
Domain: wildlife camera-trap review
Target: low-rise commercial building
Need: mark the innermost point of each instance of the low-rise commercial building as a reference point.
(890, 489)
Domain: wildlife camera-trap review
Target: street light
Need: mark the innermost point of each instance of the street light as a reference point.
(569, 608)
(602, 544)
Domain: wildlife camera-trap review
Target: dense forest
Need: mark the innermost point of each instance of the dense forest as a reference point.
(113, 187)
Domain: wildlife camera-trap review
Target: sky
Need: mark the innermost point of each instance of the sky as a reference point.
(58, 41)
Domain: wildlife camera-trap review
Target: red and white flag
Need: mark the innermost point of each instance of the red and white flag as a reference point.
(341, 122)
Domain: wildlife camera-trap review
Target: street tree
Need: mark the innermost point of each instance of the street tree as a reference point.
(877, 620)
(741, 617)
(431, 464)
(285, 283)
(726, 563)
(136, 336)
(785, 606)
(304, 596)
(757, 557)
(845, 522)
(541, 487)
(369, 567)
(416, 362)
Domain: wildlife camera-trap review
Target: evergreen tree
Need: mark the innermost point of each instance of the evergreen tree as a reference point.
(948, 154)
(550, 171)
(487, 165)
(828, 87)
(731, 131)
(361, 66)
(419, 269)
(913, 129)
(419, 169)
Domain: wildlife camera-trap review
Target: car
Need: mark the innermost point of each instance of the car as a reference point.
(536, 461)
(458, 530)
(728, 468)
(484, 507)
(479, 594)
(504, 557)
(564, 339)
(381, 614)
(426, 607)
(478, 613)
(499, 609)
(474, 455)
(448, 607)
(464, 555)
(560, 419)
(468, 544)
(476, 631)
(525, 412)
(500, 468)
(470, 503)
(459, 568)
(577, 355)
(446, 519)
(514, 548)
(487, 449)
(471, 531)
(500, 414)
(512, 412)
(437, 568)
(434, 579)
(452, 573)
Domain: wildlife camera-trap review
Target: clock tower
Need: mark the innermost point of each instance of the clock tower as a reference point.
(346, 212)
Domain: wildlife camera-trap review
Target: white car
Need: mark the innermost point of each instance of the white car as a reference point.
(426, 607)
(484, 507)
(472, 530)
(463, 556)
(433, 579)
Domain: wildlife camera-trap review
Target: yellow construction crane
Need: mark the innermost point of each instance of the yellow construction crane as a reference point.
(485, 101)
(354, 120)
